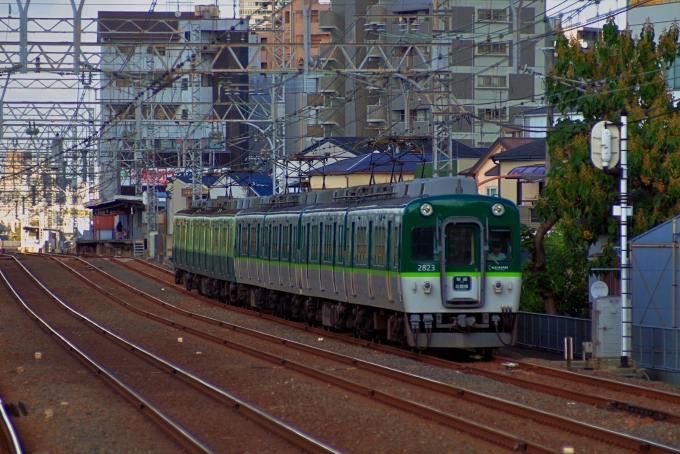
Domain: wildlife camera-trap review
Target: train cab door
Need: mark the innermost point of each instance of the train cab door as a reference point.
(461, 262)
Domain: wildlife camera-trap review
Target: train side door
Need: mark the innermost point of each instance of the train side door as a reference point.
(352, 252)
(334, 258)
(388, 261)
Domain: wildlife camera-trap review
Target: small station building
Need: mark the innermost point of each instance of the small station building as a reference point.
(117, 229)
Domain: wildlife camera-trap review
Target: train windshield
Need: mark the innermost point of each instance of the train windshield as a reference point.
(423, 244)
(462, 245)
(500, 244)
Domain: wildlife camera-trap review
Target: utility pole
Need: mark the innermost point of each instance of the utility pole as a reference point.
(515, 11)
(623, 211)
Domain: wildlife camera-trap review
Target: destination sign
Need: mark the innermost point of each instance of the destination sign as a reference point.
(461, 283)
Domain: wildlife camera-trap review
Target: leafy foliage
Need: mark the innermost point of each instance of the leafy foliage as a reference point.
(598, 83)
(566, 272)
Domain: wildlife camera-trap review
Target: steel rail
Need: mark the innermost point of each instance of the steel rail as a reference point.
(600, 382)
(658, 415)
(179, 434)
(281, 428)
(9, 432)
(503, 439)
(499, 404)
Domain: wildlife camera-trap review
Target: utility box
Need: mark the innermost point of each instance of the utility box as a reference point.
(607, 327)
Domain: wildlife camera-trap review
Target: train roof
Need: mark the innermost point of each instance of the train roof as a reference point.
(357, 197)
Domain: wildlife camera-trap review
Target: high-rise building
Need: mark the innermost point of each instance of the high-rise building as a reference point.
(464, 65)
(257, 13)
(162, 103)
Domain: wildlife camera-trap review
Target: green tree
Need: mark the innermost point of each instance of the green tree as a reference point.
(599, 82)
(566, 274)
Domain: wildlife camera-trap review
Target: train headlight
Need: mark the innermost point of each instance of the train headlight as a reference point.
(426, 209)
(498, 209)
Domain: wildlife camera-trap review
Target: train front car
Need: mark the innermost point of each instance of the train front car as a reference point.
(461, 272)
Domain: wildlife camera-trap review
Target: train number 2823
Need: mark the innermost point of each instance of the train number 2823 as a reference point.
(426, 268)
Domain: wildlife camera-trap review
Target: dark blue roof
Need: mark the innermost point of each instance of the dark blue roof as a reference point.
(355, 145)
(262, 190)
(528, 169)
(252, 178)
(206, 180)
(260, 183)
(376, 162)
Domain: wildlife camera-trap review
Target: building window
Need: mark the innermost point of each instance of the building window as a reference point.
(126, 50)
(398, 116)
(492, 191)
(492, 114)
(491, 81)
(420, 114)
(492, 48)
(492, 15)
(314, 17)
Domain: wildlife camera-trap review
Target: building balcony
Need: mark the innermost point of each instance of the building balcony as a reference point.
(331, 116)
(330, 84)
(330, 21)
(376, 114)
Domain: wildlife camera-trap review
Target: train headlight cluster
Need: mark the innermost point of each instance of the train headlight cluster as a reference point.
(426, 209)
(497, 209)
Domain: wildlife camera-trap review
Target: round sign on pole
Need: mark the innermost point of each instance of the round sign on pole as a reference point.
(596, 145)
(599, 290)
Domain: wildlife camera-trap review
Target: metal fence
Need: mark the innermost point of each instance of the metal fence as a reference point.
(653, 347)
(656, 348)
(547, 332)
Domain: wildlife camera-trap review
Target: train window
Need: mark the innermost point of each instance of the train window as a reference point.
(423, 244)
(461, 245)
(265, 243)
(285, 241)
(328, 244)
(314, 252)
(293, 243)
(340, 245)
(244, 241)
(275, 242)
(253, 241)
(380, 246)
(305, 243)
(362, 245)
(500, 244)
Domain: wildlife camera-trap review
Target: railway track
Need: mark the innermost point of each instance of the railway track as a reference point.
(9, 439)
(565, 384)
(364, 396)
(161, 390)
(453, 396)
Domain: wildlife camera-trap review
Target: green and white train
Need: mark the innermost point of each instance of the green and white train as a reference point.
(426, 263)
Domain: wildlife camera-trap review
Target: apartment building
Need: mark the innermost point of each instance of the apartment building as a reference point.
(184, 118)
(300, 95)
(466, 65)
